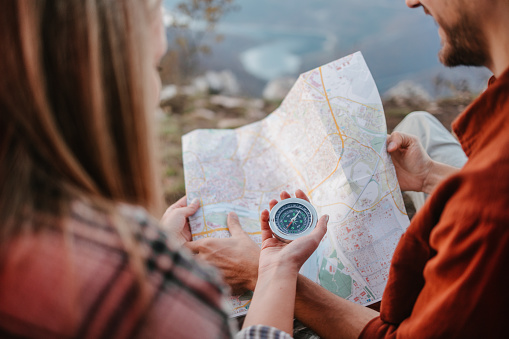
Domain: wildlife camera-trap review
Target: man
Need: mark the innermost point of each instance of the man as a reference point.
(448, 274)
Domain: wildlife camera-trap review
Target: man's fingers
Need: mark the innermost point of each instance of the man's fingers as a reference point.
(393, 141)
(202, 245)
(233, 223)
(301, 195)
(193, 246)
(399, 140)
(264, 223)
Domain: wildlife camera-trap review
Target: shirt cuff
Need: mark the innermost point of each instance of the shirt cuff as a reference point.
(262, 332)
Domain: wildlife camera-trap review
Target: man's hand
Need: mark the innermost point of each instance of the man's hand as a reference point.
(412, 163)
(175, 220)
(237, 257)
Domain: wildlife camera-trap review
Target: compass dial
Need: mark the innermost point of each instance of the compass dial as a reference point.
(292, 218)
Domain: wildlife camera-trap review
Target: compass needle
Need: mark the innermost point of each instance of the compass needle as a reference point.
(293, 219)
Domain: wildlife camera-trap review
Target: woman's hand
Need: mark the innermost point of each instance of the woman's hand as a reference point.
(276, 254)
(175, 220)
(274, 296)
(412, 163)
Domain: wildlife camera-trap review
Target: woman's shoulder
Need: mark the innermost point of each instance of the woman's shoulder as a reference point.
(101, 269)
(184, 293)
(133, 233)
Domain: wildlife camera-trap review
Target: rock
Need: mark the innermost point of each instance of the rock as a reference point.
(214, 81)
(223, 82)
(203, 113)
(168, 93)
(229, 84)
(277, 89)
(231, 123)
(408, 94)
(200, 85)
(256, 104)
(189, 91)
(227, 102)
(255, 114)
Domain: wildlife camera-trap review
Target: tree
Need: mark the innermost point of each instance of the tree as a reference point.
(191, 22)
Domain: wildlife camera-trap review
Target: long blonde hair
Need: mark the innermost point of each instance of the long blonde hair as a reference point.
(74, 116)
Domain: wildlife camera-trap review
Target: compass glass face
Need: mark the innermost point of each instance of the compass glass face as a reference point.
(293, 218)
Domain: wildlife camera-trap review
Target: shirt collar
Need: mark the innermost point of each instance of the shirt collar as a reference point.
(481, 114)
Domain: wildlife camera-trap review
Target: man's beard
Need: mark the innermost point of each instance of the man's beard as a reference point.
(464, 44)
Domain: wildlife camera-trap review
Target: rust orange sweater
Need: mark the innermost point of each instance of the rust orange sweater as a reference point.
(450, 273)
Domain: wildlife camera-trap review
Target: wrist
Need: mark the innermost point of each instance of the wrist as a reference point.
(273, 302)
(428, 184)
(252, 280)
(436, 174)
(278, 271)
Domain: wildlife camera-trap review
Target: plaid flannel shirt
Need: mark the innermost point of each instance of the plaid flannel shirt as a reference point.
(79, 283)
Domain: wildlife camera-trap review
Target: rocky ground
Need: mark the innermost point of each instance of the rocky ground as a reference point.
(183, 110)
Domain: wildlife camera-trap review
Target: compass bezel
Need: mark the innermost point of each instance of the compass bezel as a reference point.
(288, 237)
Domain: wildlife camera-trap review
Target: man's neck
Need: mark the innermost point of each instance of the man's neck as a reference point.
(497, 33)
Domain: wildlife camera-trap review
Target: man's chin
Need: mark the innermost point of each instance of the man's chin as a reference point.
(442, 56)
(446, 58)
(462, 45)
(450, 57)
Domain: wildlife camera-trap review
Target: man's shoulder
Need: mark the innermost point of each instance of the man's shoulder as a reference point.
(479, 191)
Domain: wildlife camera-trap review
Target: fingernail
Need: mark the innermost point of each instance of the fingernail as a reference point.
(195, 201)
(392, 145)
(326, 218)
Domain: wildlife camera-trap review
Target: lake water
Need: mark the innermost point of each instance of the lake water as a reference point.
(280, 52)
(267, 39)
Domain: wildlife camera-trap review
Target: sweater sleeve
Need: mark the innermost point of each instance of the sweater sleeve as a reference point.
(262, 332)
(463, 294)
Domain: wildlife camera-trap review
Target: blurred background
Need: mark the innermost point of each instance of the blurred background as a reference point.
(231, 62)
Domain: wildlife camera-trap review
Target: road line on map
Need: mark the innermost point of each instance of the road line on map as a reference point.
(310, 192)
(205, 226)
(386, 176)
(221, 229)
(321, 144)
(242, 306)
(355, 102)
(342, 203)
(330, 107)
(314, 88)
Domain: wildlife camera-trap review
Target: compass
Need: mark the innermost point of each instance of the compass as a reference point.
(292, 218)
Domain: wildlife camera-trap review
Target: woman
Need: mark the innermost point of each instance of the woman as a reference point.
(80, 255)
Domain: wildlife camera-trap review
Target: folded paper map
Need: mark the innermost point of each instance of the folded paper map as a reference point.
(327, 138)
